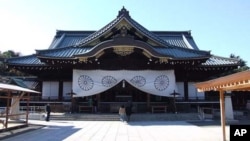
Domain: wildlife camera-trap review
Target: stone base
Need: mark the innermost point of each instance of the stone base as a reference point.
(232, 121)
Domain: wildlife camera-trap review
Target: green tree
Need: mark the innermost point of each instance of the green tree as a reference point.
(3, 69)
(242, 66)
(243, 63)
(10, 54)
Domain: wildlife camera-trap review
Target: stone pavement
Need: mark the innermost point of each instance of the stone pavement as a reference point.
(120, 131)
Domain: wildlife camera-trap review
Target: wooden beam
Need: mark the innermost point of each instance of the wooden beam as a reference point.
(12, 115)
(5, 97)
(225, 87)
(238, 87)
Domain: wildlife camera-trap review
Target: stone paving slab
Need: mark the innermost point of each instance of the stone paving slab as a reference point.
(120, 131)
(18, 130)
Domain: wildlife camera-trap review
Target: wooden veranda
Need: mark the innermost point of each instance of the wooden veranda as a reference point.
(235, 82)
(7, 93)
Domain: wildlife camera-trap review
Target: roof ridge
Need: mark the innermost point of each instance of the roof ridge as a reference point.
(227, 58)
(99, 32)
(192, 50)
(123, 12)
(149, 33)
(59, 41)
(186, 42)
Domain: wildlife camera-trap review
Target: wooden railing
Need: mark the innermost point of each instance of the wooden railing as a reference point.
(159, 108)
(205, 113)
(33, 109)
(85, 109)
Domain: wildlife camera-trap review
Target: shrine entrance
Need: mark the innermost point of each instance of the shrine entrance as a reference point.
(110, 100)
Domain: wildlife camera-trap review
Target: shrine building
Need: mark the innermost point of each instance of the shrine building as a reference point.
(122, 61)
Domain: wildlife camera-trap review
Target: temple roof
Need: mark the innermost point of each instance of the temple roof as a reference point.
(177, 45)
(68, 38)
(91, 38)
(70, 52)
(182, 39)
(30, 83)
(220, 61)
(29, 60)
(33, 60)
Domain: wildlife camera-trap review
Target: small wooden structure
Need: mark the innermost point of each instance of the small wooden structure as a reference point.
(20, 93)
(235, 82)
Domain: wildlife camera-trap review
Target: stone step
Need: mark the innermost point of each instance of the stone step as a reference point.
(134, 117)
(89, 117)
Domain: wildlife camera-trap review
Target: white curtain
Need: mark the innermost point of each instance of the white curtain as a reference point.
(90, 82)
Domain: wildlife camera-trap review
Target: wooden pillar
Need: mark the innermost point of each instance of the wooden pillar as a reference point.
(73, 103)
(98, 99)
(222, 113)
(15, 103)
(7, 110)
(60, 95)
(148, 101)
(27, 109)
(186, 89)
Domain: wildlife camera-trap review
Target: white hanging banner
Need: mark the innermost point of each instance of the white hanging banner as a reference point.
(90, 82)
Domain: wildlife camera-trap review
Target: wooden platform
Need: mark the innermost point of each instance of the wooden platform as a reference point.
(13, 125)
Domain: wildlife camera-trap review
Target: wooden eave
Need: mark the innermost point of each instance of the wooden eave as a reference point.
(27, 65)
(201, 59)
(214, 67)
(119, 42)
(36, 67)
(56, 58)
(237, 81)
(8, 87)
(187, 61)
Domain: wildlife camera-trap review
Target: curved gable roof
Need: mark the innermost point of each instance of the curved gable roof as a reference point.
(122, 16)
(181, 39)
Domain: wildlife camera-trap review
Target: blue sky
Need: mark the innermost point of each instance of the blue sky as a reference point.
(219, 26)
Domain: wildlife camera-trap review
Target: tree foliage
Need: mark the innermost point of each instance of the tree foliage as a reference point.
(3, 68)
(9, 54)
(243, 63)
